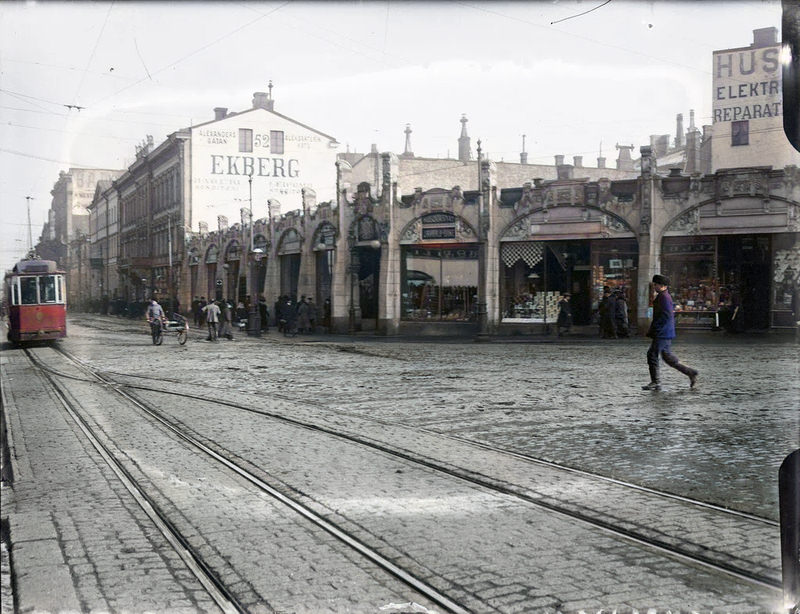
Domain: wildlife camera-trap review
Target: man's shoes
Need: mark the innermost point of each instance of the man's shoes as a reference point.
(652, 386)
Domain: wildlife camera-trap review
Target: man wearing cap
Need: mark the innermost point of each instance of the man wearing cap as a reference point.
(662, 332)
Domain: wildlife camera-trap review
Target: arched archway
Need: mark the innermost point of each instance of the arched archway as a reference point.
(324, 243)
(439, 269)
(365, 257)
(576, 250)
(289, 260)
(734, 263)
(213, 289)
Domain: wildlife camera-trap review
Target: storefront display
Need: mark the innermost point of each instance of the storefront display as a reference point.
(537, 273)
(719, 281)
(440, 282)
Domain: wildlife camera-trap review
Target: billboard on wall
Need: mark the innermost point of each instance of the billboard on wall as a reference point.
(747, 84)
(281, 156)
(747, 106)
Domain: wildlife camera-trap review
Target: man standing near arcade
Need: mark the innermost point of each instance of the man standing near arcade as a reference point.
(662, 332)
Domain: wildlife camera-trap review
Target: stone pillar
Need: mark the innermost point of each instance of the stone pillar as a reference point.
(341, 276)
(649, 242)
(389, 287)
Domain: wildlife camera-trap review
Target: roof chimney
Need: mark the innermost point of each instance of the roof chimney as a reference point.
(577, 161)
(464, 153)
(765, 37)
(624, 160)
(523, 156)
(220, 113)
(559, 160)
(263, 100)
(679, 131)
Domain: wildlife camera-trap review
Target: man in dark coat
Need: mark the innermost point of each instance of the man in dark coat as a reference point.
(608, 309)
(564, 321)
(662, 332)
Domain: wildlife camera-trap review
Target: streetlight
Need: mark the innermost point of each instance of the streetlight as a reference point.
(483, 334)
(253, 316)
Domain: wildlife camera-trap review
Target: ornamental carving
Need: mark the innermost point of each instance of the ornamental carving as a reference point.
(688, 222)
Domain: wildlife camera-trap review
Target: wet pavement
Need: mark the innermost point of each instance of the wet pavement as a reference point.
(577, 402)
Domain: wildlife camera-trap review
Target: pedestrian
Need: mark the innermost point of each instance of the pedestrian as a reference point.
(279, 315)
(621, 314)
(198, 312)
(303, 321)
(607, 308)
(263, 313)
(226, 327)
(564, 315)
(155, 316)
(662, 332)
(312, 315)
(326, 315)
(212, 312)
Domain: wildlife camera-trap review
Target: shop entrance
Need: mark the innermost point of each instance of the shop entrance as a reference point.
(744, 263)
(369, 266)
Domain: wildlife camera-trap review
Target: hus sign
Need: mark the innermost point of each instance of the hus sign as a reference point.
(747, 84)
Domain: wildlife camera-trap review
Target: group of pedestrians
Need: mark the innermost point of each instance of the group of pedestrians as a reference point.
(292, 314)
(613, 314)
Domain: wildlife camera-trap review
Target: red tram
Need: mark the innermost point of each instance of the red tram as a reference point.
(36, 301)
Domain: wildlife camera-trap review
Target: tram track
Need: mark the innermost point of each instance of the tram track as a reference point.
(211, 581)
(719, 561)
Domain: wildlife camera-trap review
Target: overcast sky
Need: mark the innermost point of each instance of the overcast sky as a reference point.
(571, 75)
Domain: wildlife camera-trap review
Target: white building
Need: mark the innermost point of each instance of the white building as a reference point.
(748, 106)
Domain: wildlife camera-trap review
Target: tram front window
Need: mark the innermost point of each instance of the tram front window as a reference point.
(28, 290)
(47, 289)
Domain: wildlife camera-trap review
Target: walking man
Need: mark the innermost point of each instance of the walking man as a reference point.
(662, 332)
(212, 319)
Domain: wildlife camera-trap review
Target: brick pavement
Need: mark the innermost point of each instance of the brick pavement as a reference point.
(515, 395)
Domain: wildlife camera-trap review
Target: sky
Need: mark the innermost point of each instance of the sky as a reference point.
(82, 84)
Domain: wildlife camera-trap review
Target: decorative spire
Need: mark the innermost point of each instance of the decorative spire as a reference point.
(408, 153)
(464, 147)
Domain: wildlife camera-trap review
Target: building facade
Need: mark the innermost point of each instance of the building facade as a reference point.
(748, 105)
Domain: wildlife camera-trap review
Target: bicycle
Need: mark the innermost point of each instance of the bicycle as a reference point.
(179, 326)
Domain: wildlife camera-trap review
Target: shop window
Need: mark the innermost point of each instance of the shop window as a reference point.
(245, 140)
(276, 142)
(740, 133)
(440, 283)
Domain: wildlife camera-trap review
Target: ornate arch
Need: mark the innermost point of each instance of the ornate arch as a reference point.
(290, 242)
(233, 251)
(445, 224)
(325, 235)
(688, 221)
(212, 254)
(587, 219)
(367, 228)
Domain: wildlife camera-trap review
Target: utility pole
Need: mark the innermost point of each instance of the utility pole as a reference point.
(483, 333)
(30, 234)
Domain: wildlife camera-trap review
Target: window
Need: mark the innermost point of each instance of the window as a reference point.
(740, 133)
(245, 140)
(28, 288)
(47, 289)
(276, 141)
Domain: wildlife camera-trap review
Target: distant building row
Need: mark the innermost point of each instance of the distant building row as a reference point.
(392, 240)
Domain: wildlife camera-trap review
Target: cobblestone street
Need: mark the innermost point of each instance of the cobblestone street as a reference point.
(576, 402)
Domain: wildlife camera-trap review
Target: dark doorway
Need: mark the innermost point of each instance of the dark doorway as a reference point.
(369, 261)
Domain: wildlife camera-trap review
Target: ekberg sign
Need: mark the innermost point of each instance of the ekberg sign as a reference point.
(282, 157)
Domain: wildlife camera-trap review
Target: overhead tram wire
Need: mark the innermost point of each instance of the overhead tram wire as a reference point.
(195, 52)
(592, 40)
(91, 57)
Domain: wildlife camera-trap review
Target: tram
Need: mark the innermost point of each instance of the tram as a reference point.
(36, 301)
